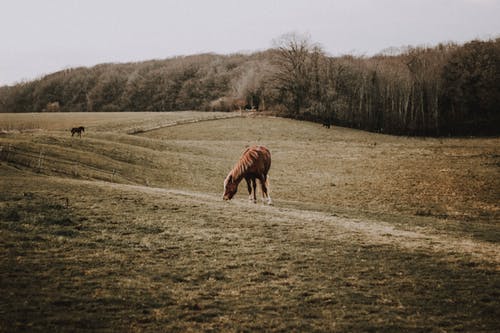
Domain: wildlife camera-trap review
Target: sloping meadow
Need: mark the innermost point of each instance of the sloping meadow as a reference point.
(117, 231)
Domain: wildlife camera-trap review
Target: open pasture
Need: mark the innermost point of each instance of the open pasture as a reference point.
(125, 122)
(128, 232)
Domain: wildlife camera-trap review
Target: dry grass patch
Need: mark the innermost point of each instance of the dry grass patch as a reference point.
(136, 258)
(100, 121)
(117, 232)
(344, 170)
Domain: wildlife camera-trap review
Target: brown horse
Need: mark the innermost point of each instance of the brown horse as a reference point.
(254, 164)
(77, 130)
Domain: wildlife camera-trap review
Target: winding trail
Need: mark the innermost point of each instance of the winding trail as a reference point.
(370, 231)
(181, 122)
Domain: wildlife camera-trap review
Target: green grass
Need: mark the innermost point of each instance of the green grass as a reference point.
(360, 237)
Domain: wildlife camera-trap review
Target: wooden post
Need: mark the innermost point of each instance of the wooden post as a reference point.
(40, 159)
(9, 149)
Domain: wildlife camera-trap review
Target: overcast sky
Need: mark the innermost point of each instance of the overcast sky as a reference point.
(41, 36)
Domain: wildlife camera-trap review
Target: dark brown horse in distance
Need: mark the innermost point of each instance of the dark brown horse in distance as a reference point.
(77, 130)
(254, 164)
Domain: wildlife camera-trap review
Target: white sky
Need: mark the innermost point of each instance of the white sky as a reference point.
(41, 36)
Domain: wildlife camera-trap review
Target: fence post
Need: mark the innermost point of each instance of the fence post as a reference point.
(8, 152)
(40, 160)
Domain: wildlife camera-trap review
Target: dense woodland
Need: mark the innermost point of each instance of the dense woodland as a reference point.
(448, 89)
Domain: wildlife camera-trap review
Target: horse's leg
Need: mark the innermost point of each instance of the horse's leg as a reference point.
(264, 183)
(268, 188)
(249, 187)
(254, 186)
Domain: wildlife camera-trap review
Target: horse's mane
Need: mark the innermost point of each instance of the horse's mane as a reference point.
(249, 156)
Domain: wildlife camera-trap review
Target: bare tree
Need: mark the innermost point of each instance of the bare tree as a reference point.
(293, 58)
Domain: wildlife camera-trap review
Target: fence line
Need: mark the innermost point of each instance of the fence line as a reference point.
(38, 161)
(181, 122)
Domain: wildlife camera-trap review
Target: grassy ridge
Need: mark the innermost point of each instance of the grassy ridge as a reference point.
(335, 170)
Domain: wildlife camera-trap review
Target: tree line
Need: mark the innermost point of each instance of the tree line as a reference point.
(444, 90)
(448, 89)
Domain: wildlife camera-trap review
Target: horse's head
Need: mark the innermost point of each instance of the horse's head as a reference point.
(230, 188)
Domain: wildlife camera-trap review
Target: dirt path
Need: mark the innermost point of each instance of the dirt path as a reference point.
(370, 231)
(181, 122)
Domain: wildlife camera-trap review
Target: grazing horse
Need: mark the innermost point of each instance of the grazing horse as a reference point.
(77, 130)
(254, 164)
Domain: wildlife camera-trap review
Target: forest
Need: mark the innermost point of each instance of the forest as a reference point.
(444, 90)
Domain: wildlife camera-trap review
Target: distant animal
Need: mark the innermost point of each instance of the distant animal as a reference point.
(77, 130)
(326, 124)
(253, 164)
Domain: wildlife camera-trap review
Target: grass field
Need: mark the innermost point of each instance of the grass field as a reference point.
(125, 229)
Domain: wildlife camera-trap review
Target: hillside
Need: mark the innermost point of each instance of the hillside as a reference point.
(196, 155)
(117, 231)
(444, 90)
